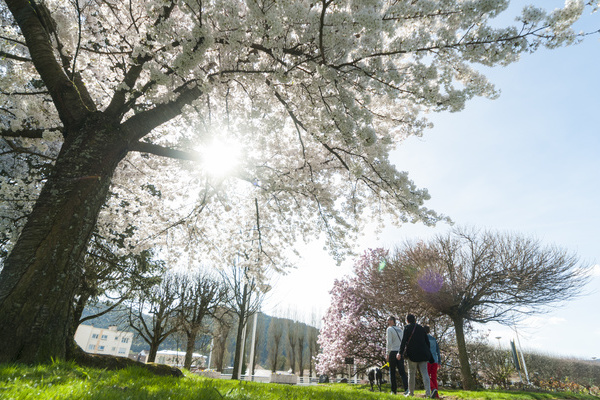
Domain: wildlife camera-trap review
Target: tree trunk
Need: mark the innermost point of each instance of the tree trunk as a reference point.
(275, 357)
(237, 359)
(301, 338)
(292, 354)
(153, 350)
(300, 360)
(41, 274)
(242, 317)
(189, 350)
(219, 353)
(465, 368)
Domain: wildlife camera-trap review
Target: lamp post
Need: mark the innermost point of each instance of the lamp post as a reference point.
(498, 337)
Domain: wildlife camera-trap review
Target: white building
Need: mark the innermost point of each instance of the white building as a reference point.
(104, 341)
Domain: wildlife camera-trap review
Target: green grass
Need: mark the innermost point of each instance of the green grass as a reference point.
(65, 381)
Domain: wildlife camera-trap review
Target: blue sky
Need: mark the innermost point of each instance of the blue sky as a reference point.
(528, 162)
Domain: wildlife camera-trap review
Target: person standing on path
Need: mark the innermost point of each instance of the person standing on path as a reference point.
(415, 345)
(432, 367)
(393, 336)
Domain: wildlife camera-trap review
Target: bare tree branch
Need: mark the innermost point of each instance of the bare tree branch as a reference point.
(27, 133)
(4, 54)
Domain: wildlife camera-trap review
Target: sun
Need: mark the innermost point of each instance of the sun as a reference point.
(221, 158)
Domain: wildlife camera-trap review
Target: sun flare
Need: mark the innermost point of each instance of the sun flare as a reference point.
(221, 158)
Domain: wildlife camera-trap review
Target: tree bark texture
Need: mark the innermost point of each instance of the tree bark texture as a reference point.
(465, 368)
(153, 350)
(42, 272)
(189, 350)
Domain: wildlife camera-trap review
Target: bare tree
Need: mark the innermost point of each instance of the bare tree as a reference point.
(223, 322)
(481, 276)
(292, 343)
(313, 348)
(201, 293)
(275, 334)
(153, 312)
(301, 338)
(246, 298)
(112, 280)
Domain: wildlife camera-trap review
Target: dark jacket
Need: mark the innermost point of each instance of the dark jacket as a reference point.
(416, 343)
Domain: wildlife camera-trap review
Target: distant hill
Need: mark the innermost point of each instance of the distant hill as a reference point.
(176, 342)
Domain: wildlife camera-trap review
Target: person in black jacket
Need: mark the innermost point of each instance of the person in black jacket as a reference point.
(415, 345)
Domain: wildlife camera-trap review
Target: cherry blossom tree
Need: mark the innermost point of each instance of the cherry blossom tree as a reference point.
(95, 93)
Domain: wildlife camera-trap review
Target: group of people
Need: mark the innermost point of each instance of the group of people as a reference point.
(415, 344)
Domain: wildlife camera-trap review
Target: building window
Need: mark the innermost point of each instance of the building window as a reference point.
(94, 336)
(121, 350)
(104, 337)
(91, 347)
(100, 348)
(125, 340)
(116, 338)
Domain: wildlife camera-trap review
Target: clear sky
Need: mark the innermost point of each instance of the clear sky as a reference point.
(528, 162)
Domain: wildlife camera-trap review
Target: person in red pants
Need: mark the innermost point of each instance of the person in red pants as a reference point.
(432, 368)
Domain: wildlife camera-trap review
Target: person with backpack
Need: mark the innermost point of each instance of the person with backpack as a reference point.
(415, 347)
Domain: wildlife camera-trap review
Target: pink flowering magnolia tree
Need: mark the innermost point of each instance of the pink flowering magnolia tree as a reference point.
(355, 323)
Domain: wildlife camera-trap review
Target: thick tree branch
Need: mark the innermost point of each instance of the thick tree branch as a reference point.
(157, 150)
(144, 122)
(117, 104)
(321, 26)
(65, 95)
